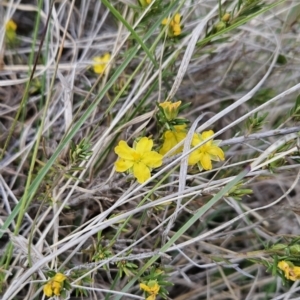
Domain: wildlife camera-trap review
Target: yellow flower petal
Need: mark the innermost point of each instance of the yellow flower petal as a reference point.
(287, 269)
(297, 272)
(144, 287)
(144, 145)
(141, 172)
(167, 145)
(56, 291)
(216, 151)
(283, 265)
(152, 159)
(176, 30)
(47, 289)
(177, 18)
(154, 287)
(205, 161)
(106, 58)
(194, 157)
(123, 165)
(56, 284)
(164, 21)
(196, 140)
(99, 69)
(10, 25)
(207, 134)
(59, 277)
(165, 104)
(124, 151)
(172, 138)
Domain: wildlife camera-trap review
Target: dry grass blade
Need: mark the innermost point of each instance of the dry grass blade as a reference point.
(113, 185)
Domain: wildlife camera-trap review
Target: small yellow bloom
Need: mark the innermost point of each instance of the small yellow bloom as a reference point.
(139, 160)
(55, 285)
(48, 289)
(10, 25)
(291, 272)
(10, 31)
(172, 138)
(205, 153)
(176, 19)
(100, 63)
(174, 25)
(171, 109)
(151, 288)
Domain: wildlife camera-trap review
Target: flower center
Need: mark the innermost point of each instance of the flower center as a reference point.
(136, 156)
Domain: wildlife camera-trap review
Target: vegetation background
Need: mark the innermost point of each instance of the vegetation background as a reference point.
(215, 234)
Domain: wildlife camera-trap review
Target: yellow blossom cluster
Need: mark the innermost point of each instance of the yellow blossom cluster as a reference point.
(54, 285)
(151, 288)
(141, 159)
(291, 272)
(203, 155)
(101, 63)
(174, 25)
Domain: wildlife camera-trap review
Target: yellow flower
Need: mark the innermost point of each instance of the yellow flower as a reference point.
(174, 25)
(205, 153)
(55, 285)
(170, 109)
(291, 272)
(139, 160)
(151, 288)
(48, 289)
(10, 25)
(100, 63)
(10, 30)
(172, 138)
